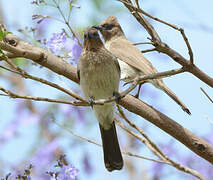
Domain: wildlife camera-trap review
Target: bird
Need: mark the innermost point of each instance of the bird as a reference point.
(99, 74)
(132, 62)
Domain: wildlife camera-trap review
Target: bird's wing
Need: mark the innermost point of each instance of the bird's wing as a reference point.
(117, 66)
(127, 52)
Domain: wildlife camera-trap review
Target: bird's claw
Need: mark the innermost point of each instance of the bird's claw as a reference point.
(117, 96)
(91, 101)
(136, 95)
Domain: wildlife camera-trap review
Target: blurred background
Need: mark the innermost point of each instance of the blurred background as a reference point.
(27, 132)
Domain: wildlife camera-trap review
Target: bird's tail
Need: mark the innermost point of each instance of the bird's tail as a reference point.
(174, 97)
(112, 154)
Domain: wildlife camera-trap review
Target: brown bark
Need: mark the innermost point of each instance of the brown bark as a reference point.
(20, 48)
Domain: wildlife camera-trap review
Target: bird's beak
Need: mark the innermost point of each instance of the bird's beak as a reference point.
(98, 27)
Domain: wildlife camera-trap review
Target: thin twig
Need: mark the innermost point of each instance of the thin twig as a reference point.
(183, 135)
(134, 82)
(67, 23)
(10, 70)
(148, 50)
(166, 23)
(26, 75)
(138, 80)
(94, 142)
(204, 92)
(148, 15)
(76, 135)
(136, 3)
(148, 142)
(157, 151)
(17, 96)
(164, 74)
(139, 43)
(188, 45)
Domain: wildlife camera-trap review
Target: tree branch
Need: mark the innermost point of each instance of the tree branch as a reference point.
(17, 96)
(154, 148)
(59, 66)
(190, 140)
(26, 75)
(94, 142)
(169, 73)
(204, 92)
(163, 47)
(148, 50)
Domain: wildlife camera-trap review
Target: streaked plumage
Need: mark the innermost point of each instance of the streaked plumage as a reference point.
(99, 74)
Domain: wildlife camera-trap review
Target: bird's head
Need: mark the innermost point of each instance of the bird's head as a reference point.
(92, 39)
(110, 28)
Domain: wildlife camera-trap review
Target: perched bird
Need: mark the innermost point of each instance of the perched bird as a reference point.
(99, 74)
(131, 60)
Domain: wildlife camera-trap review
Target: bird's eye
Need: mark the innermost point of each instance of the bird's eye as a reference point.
(108, 26)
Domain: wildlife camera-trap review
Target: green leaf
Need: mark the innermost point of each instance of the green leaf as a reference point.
(1, 34)
(20, 62)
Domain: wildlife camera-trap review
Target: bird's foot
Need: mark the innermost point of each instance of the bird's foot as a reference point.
(91, 101)
(136, 95)
(117, 96)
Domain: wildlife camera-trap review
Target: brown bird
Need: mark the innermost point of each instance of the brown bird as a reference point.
(99, 74)
(131, 60)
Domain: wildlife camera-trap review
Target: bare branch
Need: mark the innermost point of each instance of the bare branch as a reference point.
(206, 94)
(137, 9)
(59, 66)
(139, 43)
(94, 142)
(164, 48)
(193, 142)
(10, 70)
(147, 14)
(136, 3)
(66, 22)
(146, 139)
(26, 75)
(17, 96)
(155, 149)
(164, 74)
(148, 50)
(188, 45)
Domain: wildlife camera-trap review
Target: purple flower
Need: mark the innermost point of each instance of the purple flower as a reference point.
(73, 47)
(68, 172)
(39, 17)
(56, 42)
(41, 28)
(59, 42)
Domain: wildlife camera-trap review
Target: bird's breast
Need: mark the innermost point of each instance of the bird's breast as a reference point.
(99, 78)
